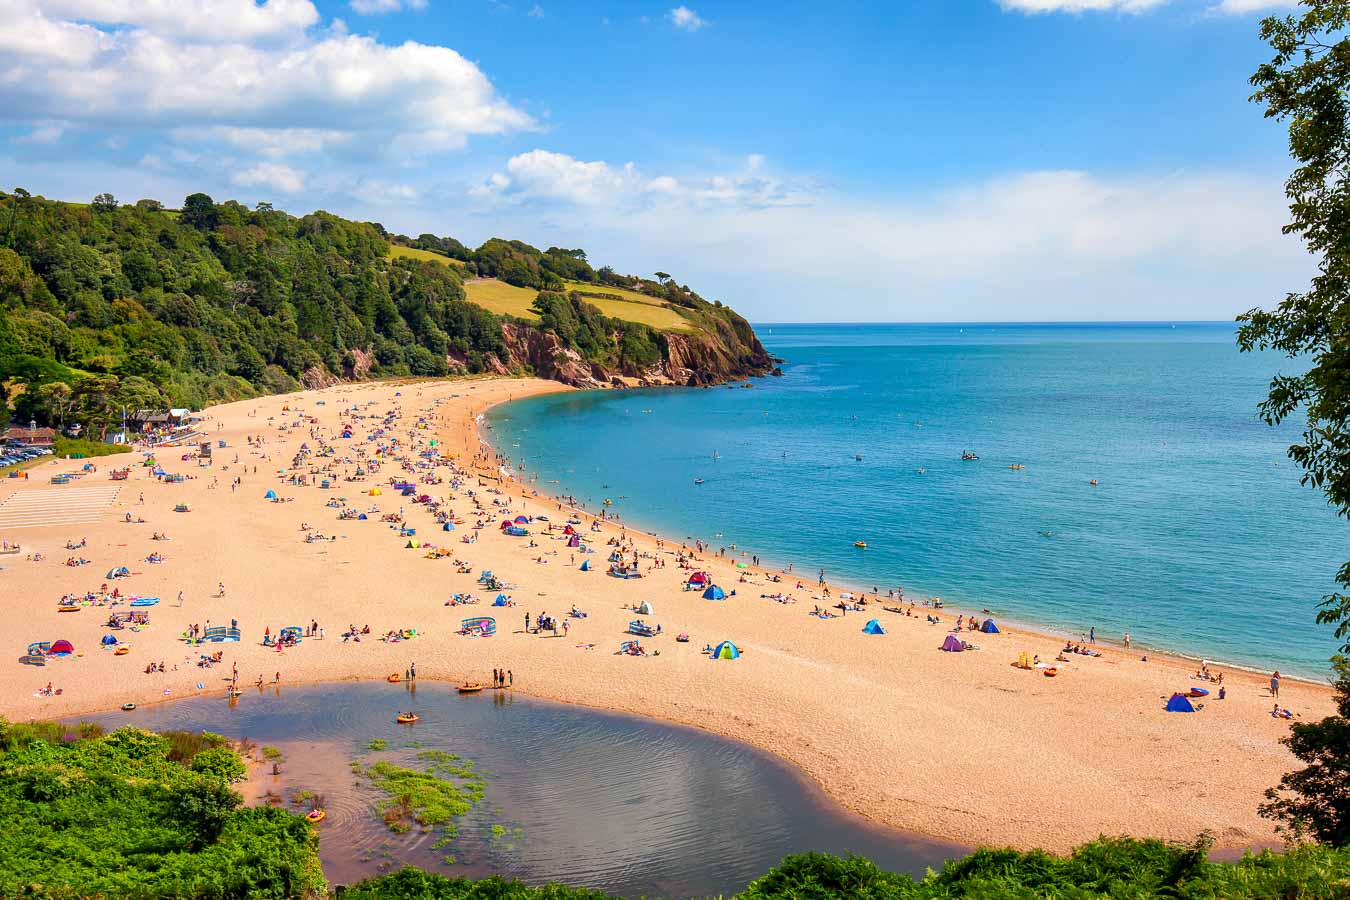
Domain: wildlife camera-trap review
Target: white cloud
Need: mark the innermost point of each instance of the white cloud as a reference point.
(685, 18)
(1242, 7)
(44, 133)
(1066, 245)
(410, 98)
(203, 21)
(541, 175)
(379, 7)
(274, 175)
(1231, 7)
(270, 142)
(1078, 6)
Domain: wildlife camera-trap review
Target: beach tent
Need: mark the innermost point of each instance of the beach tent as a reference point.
(109, 640)
(1179, 703)
(500, 601)
(448, 526)
(573, 542)
(873, 627)
(270, 495)
(714, 593)
(412, 545)
(645, 609)
(375, 492)
(699, 578)
(726, 650)
(569, 530)
(522, 520)
(118, 572)
(952, 644)
(60, 648)
(362, 517)
(989, 627)
(585, 565)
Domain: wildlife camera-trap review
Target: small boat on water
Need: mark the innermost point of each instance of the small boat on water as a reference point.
(1093, 482)
(968, 456)
(698, 481)
(857, 457)
(1017, 466)
(470, 687)
(315, 816)
(861, 545)
(406, 718)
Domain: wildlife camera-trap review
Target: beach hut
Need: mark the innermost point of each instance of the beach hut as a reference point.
(714, 593)
(1179, 703)
(989, 627)
(953, 644)
(61, 648)
(726, 650)
(873, 627)
(270, 495)
(585, 565)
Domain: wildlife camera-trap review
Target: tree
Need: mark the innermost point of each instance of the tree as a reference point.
(104, 203)
(662, 277)
(199, 211)
(56, 400)
(1306, 83)
(149, 205)
(1315, 801)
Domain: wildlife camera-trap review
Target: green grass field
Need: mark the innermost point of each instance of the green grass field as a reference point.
(423, 255)
(502, 298)
(632, 296)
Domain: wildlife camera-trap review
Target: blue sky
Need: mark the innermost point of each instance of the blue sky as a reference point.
(966, 159)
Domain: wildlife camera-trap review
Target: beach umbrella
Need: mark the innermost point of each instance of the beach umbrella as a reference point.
(714, 593)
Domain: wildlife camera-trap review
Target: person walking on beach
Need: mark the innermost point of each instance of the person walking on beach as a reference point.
(1092, 635)
(527, 622)
(1275, 684)
(1127, 640)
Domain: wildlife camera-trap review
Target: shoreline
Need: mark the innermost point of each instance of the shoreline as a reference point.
(1014, 624)
(963, 732)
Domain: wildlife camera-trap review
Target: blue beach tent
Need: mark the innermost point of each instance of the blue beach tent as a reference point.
(1180, 703)
(270, 495)
(989, 627)
(714, 593)
(585, 565)
(873, 627)
(726, 650)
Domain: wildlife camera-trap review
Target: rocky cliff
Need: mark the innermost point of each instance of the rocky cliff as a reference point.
(694, 359)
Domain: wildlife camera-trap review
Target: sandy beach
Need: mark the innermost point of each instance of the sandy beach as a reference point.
(963, 746)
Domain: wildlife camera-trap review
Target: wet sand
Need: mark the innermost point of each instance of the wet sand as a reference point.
(962, 746)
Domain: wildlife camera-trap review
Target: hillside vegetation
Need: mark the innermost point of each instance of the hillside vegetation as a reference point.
(105, 306)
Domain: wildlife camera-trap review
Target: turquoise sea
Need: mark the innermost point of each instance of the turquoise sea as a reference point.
(1198, 537)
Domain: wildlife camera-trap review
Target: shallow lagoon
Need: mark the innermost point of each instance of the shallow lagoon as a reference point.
(590, 798)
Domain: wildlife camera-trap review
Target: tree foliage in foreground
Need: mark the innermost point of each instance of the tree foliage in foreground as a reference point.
(1306, 84)
(136, 814)
(1315, 800)
(1107, 867)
